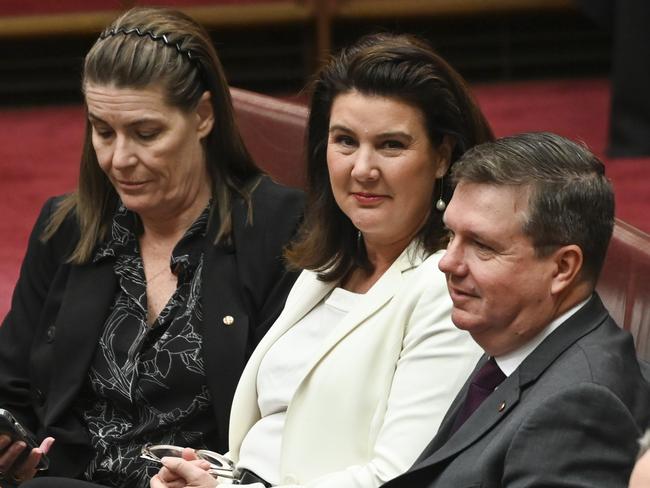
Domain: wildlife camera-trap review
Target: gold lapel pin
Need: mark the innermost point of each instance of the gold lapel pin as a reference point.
(228, 320)
(502, 407)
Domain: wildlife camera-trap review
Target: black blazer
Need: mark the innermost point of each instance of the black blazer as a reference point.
(570, 415)
(48, 338)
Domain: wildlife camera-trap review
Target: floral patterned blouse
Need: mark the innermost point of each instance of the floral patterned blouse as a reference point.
(147, 384)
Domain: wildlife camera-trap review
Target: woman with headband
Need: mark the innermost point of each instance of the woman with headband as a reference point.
(144, 291)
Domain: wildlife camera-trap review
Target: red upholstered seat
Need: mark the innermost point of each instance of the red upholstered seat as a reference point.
(624, 284)
(274, 132)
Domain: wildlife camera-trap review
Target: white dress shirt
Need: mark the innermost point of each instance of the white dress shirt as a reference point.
(510, 362)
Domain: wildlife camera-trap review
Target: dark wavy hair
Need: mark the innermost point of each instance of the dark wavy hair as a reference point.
(156, 46)
(404, 68)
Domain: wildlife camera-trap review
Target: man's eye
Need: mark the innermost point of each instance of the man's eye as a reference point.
(483, 247)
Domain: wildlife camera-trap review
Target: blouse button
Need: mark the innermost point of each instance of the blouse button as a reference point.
(39, 397)
(290, 479)
(228, 320)
(51, 332)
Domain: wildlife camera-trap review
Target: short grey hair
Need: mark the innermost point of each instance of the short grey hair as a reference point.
(570, 199)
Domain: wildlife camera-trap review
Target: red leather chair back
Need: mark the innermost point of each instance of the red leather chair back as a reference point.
(274, 132)
(624, 284)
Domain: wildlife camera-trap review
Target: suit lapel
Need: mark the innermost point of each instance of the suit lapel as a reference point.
(378, 296)
(307, 292)
(88, 297)
(498, 405)
(577, 326)
(225, 328)
(495, 408)
(447, 423)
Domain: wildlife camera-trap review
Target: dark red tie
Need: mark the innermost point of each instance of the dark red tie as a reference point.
(483, 384)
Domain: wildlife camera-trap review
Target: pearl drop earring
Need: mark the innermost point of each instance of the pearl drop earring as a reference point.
(440, 204)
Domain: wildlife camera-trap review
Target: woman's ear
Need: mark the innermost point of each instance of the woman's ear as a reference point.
(568, 261)
(444, 151)
(205, 114)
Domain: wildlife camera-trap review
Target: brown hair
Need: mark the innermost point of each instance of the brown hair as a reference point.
(395, 66)
(144, 47)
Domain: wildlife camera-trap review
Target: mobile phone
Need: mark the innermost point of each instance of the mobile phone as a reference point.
(11, 427)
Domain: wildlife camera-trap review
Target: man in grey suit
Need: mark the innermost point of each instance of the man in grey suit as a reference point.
(530, 222)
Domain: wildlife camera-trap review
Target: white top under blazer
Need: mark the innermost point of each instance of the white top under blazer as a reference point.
(279, 375)
(375, 390)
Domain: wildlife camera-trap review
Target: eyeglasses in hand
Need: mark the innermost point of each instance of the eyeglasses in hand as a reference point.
(220, 465)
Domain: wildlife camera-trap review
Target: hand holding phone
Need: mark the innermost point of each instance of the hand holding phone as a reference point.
(19, 452)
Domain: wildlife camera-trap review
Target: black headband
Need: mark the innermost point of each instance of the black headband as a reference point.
(156, 37)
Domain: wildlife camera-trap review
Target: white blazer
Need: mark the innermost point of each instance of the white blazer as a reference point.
(377, 390)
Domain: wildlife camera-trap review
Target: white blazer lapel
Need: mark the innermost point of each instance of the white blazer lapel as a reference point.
(307, 292)
(379, 295)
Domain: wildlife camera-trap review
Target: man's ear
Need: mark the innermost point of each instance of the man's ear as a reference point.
(443, 152)
(205, 114)
(568, 265)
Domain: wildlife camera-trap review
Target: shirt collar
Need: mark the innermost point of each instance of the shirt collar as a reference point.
(126, 226)
(510, 362)
(123, 234)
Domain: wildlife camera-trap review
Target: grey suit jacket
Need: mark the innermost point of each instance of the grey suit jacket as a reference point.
(570, 415)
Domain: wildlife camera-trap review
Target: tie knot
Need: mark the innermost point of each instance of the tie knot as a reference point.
(489, 376)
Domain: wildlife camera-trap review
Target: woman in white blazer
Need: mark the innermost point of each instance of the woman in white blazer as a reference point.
(354, 377)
